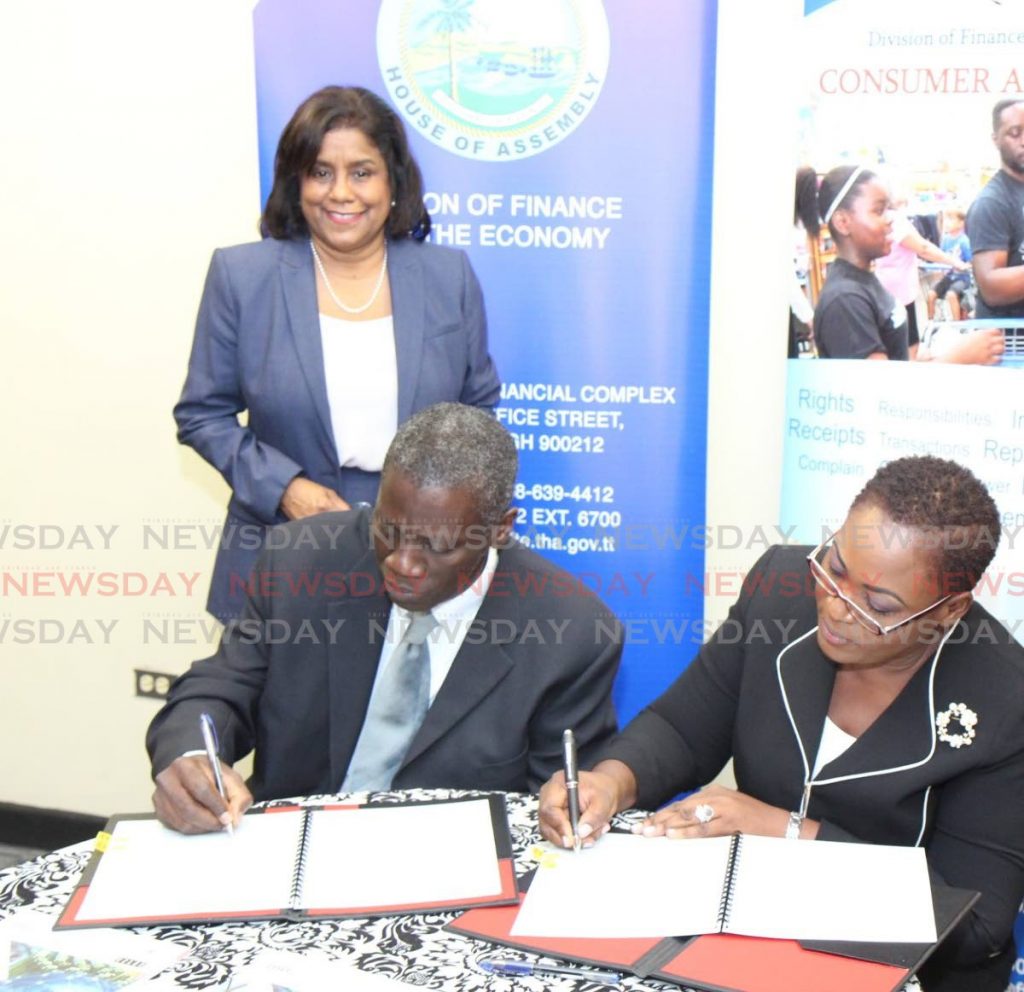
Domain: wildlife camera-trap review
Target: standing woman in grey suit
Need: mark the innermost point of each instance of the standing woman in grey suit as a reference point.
(338, 326)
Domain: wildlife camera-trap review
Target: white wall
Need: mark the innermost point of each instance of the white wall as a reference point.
(751, 268)
(130, 153)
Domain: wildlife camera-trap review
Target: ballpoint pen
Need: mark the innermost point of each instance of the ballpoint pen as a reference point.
(496, 966)
(572, 785)
(209, 732)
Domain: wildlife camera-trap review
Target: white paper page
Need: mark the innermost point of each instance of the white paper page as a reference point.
(626, 886)
(150, 871)
(822, 890)
(400, 855)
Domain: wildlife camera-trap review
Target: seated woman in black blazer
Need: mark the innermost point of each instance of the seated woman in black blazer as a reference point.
(863, 696)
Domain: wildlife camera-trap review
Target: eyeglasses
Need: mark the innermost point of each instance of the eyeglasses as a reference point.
(859, 614)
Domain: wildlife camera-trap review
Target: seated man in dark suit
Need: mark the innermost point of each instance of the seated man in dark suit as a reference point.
(335, 677)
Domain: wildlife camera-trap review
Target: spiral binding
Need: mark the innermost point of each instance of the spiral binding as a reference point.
(725, 905)
(295, 896)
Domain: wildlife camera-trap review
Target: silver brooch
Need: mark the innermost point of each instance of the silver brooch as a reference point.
(959, 715)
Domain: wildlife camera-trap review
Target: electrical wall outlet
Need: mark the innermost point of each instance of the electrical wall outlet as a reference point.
(152, 685)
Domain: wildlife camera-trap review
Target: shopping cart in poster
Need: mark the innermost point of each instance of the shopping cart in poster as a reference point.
(938, 335)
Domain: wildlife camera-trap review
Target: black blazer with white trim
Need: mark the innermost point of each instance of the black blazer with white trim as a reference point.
(758, 692)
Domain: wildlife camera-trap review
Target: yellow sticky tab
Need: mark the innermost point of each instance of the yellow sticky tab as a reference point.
(102, 840)
(550, 859)
(545, 856)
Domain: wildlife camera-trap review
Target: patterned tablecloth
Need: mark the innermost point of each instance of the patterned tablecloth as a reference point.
(414, 949)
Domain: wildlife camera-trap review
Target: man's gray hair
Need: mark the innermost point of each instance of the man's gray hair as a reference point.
(451, 446)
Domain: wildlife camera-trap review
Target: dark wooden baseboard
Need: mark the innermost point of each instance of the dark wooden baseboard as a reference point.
(45, 829)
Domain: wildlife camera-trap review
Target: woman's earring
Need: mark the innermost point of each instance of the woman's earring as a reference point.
(392, 203)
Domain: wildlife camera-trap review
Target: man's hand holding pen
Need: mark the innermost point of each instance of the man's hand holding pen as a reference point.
(186, 797)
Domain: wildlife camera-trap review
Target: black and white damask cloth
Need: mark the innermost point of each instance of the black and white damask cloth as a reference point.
(413, 949)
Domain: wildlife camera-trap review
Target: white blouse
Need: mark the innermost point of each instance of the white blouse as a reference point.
(362, 388)
(834, 742)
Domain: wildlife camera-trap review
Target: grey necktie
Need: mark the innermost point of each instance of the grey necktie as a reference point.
(397, 707)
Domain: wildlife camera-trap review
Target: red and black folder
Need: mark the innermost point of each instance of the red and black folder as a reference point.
(300, 862)
(733, 963)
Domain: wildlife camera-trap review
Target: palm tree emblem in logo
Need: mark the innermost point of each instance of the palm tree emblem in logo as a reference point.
(451, 18)
(493, 79)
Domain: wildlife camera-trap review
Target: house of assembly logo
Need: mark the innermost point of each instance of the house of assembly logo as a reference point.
(489, 79)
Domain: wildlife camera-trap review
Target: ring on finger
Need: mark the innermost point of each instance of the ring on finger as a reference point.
(704, 813)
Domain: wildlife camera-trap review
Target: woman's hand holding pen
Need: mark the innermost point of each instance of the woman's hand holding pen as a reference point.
(610, 787)
(304, 497)
(186, 797)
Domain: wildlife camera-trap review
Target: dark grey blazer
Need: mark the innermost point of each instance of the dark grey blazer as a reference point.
(759, 691)
(257, 348)
(293, 677)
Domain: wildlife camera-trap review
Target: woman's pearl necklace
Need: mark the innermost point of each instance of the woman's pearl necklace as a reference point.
(376, 289)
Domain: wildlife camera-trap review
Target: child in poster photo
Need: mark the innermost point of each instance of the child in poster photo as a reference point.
(856, 317)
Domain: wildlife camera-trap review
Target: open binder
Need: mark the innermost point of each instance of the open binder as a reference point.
(298, 862)
(733, 963)
(744, 884)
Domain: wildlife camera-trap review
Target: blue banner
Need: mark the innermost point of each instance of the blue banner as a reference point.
(567, 148)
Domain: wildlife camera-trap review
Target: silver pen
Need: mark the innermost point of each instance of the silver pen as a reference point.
(209, 732)
(572, 785)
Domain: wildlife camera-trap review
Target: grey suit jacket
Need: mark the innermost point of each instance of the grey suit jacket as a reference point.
(292, 678)
(257, 348)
